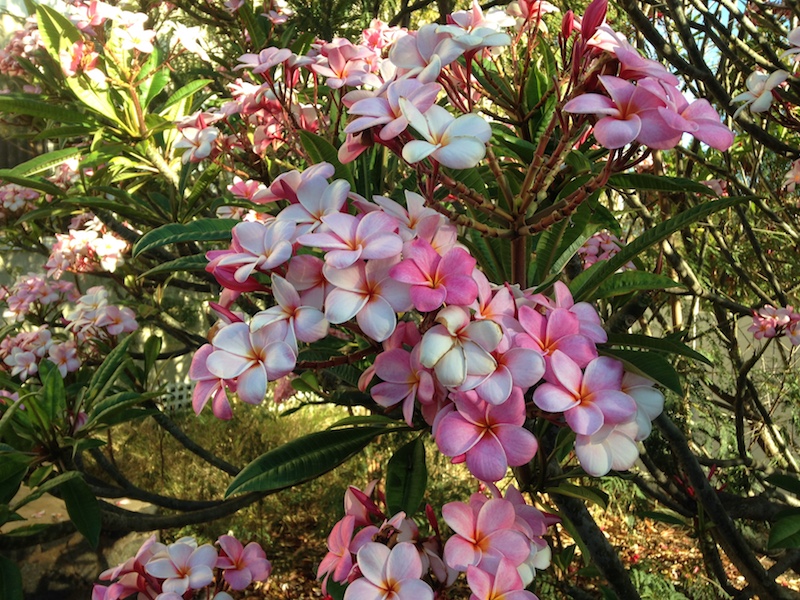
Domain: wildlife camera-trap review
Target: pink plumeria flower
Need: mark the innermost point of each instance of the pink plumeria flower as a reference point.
(629, 114)
(588, 400)
(242, 565)
(423, 53)
(385, 110)
(792, 177)
(183, 567)
(610, 447)
(434, 279)
(484, 533)
(559, 330)
(262, 248)
(200, 142)
(365, 291)
(351, 238)
(338, 562)
(65, 357)
(264, 60)
(404, 379)
(506, 584)
(491, 438)
(457, 143)
(252, 358)
(389, 574)
(209, 386)
(458, 349)
(315, 198)
(305, 323)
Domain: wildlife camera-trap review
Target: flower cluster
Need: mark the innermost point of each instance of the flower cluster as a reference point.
(770, 322)
(170, 572)
(22, 45)
(497, 541)
(15, 200)
(465, 371)
(87, 318)
(88, 246)
(601, 246)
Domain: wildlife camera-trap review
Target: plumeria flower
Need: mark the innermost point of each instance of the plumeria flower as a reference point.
(184, 567)
(305, 323)
(484, 534)
(792, 177)
(404, 380)
(349, 238)
(434, 279)
(389, 574)
(588, 400)
(610, 447)
(365, 291)
(242, 565)
(262, 248)
(760, 86)
(458, 349)
(338, 562)
(491, 438)
(199, 141)
(423, 53)
(629, 114)
(457, 143)
(506, 584)
(251, 358)
(209, 386)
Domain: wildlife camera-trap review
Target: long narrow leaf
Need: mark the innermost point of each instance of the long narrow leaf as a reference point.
(22, 104)
(302, 459)
(648, 364)
(196, 231)
(660, 183)
(184, 263)
(658, 344)
(106, 373)
(631, 281)
(41, 185)
(587, 282)
(407, 478)
(83, 508)
(45, 162)
(185, 92)
(10, 580)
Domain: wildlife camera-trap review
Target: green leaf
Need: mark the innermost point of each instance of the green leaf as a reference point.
(785, 532)
(23, 104)
(659, 183)
(257, 35)
(208, 177)
(195, 231)
(659, 344)
(10, 580)
(584, 285)
(41, 185)
(648, 364)
(106, 373)
(154, 86)
(152, 347)
(7, 416)
(623, 283)
(589, 494)
(83, 508)
(56, 30)
(302, 459)
(53, 396)
(13, 467)
(407, 478)
(197, 262)
(785, 482)
(45, 162)
(46, 487)
(375, 420)
(184, 92)
(320, 150)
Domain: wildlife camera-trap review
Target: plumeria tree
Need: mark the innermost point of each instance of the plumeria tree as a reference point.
(422, 226)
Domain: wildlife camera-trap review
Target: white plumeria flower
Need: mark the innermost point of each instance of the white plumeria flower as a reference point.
(458, 143)
(759, 91)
